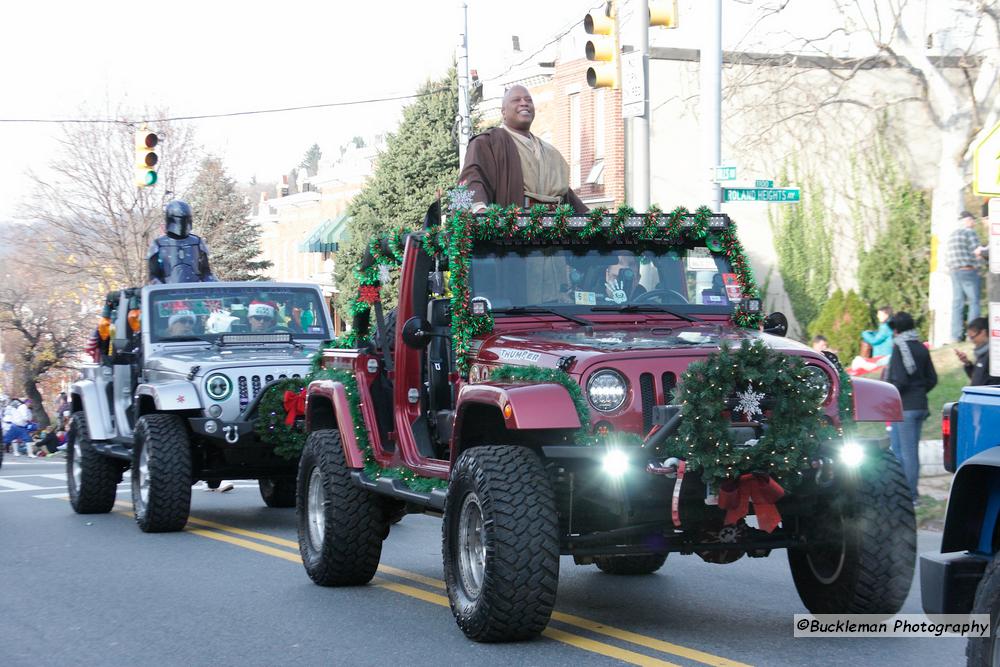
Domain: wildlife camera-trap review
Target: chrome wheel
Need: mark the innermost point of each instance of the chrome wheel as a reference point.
(316, 509)
(77, 466)
(471, 546)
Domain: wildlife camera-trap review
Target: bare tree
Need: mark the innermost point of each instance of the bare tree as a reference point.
(91, 207)
(834, 82)
(42, 318)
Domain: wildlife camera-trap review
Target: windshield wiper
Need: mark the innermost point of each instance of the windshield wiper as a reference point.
(185, 339)
(530, 310)
(644, 308)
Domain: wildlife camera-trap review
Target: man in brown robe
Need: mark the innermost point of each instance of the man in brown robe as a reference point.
(509, 165)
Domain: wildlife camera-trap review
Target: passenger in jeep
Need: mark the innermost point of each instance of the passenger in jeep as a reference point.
(508, 164)
(262, 316)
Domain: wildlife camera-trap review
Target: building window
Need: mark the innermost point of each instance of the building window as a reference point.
(599, 131)
(575, 132)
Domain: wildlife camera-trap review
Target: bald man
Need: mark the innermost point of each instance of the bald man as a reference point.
(509, 165)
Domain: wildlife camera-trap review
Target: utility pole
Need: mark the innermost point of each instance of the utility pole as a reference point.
(711, 99)
(464, 119)
(639, 197)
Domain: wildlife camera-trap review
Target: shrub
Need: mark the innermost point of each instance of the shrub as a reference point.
(842, 319)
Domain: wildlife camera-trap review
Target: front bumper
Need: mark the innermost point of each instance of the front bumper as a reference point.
(232, 433)
(948, 582)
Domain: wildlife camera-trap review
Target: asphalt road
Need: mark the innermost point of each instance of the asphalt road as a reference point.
(231, 590)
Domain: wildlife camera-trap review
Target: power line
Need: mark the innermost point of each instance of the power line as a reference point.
(225, 115)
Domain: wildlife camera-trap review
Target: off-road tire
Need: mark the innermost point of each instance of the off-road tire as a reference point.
(99, 475)
(163, 446)
(982, 651)
(341, 526)
(277, 492)
(510, 594)
(863, 548)
(630, 565)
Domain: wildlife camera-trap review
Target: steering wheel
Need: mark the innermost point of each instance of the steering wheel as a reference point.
(673, 296)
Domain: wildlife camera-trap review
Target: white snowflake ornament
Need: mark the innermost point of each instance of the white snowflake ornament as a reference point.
(749, 402)
(460, 198)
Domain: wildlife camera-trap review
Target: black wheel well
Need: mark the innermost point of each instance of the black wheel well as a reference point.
(321, 414)
(483, 424)
(144, 405)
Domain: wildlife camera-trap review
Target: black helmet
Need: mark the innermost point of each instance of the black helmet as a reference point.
(178, 218)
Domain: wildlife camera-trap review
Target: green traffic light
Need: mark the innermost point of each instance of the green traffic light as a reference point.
(150, 177)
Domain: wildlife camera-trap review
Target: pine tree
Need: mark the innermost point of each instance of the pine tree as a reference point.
(420, 159)
(222, 218)
(310, 161)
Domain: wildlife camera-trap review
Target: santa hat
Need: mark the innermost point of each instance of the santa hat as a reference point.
(181, 315)
(261, 309)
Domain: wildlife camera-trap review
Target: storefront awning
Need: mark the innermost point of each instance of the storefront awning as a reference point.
(326, 236)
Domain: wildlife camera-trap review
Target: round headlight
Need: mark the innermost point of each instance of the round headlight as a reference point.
(816, 377)
(218, 387)
(606, 390)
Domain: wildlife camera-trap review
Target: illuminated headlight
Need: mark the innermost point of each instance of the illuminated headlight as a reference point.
(819, 379)
(606, 390)
(851, 454)
(615, 462)
(218, 387)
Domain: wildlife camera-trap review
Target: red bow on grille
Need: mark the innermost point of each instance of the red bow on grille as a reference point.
(295, 405)
(369, 294)
(757, 488)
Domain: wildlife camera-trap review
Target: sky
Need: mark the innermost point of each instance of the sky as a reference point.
(65, 59)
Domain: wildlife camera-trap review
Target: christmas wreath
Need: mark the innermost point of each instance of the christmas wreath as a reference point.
(279, 408)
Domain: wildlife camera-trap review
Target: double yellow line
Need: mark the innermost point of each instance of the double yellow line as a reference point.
(260, 542)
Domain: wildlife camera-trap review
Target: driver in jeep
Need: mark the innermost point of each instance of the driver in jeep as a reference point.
(262, 316)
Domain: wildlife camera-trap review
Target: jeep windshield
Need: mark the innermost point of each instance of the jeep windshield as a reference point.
(187, 313)
(680, 280)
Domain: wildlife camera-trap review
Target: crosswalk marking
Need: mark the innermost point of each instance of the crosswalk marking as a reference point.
(50, 496)
(11, 485)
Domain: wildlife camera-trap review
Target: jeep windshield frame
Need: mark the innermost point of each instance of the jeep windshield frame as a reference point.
(683, 280)
(204, 312)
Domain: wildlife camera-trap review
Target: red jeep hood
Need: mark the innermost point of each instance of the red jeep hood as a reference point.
(545, 347)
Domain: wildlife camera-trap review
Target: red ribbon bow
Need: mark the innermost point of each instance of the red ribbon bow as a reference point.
(756, 488)
(295, 405)
(369, 294)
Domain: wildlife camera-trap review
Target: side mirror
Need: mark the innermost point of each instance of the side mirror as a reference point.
(775, 324)
(416, 332)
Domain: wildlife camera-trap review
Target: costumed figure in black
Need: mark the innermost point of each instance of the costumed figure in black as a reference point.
(178, 256)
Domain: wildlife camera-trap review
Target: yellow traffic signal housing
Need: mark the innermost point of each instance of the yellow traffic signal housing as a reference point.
(146, 158)
(603, 49)
(663, 13)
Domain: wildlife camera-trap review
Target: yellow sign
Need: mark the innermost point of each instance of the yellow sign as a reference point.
(986, 164)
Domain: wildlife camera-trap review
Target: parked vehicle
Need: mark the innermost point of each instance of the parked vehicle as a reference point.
(175, 395)
(965, 576)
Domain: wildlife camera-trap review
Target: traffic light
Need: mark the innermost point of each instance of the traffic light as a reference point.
(603, 49)
(663, 13)
(146, 158)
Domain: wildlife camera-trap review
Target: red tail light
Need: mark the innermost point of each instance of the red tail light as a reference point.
(949, 433)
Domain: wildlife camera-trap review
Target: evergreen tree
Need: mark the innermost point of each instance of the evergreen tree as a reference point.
(842, 319)
(804, 245)
(420, 159)
(310, 161)
(222, 218)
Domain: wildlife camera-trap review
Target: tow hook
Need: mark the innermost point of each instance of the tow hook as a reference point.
(232, 434)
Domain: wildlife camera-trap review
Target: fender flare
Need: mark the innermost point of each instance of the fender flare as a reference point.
(532, 406)
(172, 395)
(876, 401)
(95, 408)
(973, 505)
(327, 405)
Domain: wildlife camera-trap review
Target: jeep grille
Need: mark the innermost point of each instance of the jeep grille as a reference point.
(250, 386)
(647, 393)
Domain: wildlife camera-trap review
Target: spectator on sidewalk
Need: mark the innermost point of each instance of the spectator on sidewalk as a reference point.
(978, 369)
(912, 372)
(963, 259)
(820, 343)
(880, 339)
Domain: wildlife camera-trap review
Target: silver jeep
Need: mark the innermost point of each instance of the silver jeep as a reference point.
(175, 395)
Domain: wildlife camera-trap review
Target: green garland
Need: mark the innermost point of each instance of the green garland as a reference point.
(845, 403)
(270, 425)
(796, 426)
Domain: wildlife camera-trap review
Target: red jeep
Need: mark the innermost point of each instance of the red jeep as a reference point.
(537, 395)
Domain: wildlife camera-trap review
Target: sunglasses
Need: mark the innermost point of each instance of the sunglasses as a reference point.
(260, 317)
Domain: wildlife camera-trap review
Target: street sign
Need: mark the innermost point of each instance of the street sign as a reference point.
(986, 164)
(725, 172)
(633, 84)
(770, 195)
(763, 184)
